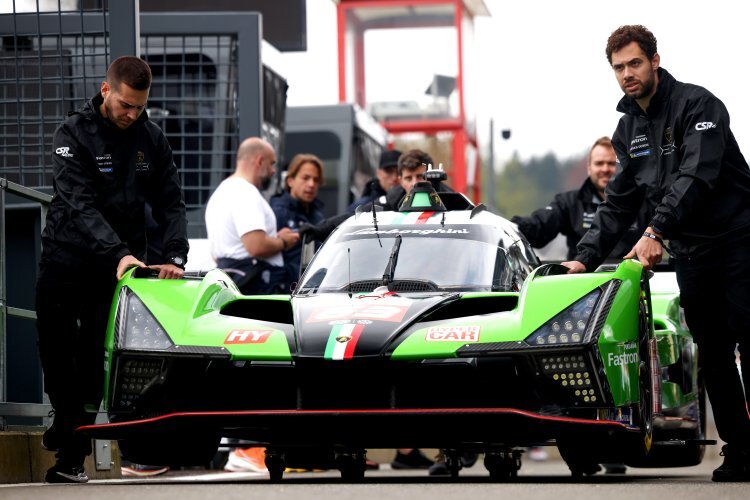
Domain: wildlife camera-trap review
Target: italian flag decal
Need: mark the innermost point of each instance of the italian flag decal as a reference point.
(342, 341)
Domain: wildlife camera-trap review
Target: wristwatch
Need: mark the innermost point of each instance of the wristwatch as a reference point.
(177, 261)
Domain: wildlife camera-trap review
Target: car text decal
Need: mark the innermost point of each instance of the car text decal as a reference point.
(247, 336)
(453, 334)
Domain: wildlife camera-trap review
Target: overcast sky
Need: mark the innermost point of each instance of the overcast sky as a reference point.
(542, 68)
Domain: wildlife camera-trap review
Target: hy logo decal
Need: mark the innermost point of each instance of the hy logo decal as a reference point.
(247, 336)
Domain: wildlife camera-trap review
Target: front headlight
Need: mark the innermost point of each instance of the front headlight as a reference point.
(139, 329)
(568, 327)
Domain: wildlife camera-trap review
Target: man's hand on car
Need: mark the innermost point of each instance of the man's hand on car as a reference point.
(574, 266)
(648, 250)
(168, 271)
(126, 263)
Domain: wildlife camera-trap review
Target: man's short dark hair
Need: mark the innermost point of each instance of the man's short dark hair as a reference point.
(624, 35)
(413, 159)
(130, 70)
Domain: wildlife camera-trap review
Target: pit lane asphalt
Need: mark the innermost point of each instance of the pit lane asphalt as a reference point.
(537, 480)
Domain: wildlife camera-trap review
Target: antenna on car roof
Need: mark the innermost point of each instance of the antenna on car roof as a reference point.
(349, 263)
(375, 223)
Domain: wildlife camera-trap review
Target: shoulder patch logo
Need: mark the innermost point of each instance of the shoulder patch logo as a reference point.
(701, 126)
(64, 152)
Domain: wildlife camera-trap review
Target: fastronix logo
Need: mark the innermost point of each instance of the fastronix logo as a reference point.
(701, 126)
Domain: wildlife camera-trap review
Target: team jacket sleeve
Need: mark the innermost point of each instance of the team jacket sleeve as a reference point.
(167, 202)
(705, 135)
(73, 171)
(624, 199)
(544, 224)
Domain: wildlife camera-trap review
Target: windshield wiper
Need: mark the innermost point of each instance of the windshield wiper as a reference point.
(390, 268)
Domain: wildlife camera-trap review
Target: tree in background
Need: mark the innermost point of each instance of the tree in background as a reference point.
(522, 187)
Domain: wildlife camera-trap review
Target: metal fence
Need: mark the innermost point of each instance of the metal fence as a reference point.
(50, 63)
(207, 93)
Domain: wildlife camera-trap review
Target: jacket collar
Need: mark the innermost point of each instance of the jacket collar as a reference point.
(658, 101)
(587, 193)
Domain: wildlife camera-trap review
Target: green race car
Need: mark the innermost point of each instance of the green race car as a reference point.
(430, 327)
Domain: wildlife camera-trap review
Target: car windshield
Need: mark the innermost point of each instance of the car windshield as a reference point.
(426, 262)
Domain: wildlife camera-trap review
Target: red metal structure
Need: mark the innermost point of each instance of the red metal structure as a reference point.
(408, 43)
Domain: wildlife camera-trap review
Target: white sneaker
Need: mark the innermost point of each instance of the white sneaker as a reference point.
(538, 454)
(246, 460)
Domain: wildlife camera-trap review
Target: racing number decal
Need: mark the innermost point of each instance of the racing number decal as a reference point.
(453, 334)
(247, 336)
(380, 312)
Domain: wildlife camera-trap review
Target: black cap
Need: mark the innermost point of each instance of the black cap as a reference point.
(389, 158)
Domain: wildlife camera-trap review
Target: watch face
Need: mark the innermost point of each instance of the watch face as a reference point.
(177, 261)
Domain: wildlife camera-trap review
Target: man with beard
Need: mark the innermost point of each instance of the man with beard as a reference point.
(677, 152)
(241, 226)
(571, 212)
(109, 162)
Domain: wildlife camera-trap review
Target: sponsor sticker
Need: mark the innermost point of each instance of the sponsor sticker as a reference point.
(628, 358)
(453, 334)
(373, 312)
(247, 336)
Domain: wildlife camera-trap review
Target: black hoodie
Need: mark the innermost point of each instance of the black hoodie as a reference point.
(571, 214)
(102, 178)
(681, 159)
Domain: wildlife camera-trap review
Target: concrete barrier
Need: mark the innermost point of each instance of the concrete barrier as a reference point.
(23, 460)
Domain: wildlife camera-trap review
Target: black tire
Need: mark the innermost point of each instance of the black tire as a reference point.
(276, 465)
(689, 454)
(643, 415)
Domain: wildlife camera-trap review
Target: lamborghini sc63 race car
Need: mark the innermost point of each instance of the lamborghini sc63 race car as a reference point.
(428, 327)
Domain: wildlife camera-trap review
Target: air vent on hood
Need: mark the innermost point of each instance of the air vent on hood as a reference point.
(274, 311)
(473, 306)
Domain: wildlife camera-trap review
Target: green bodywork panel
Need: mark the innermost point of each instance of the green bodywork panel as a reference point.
(188, 311)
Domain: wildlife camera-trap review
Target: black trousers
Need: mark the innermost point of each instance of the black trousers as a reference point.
(72, 305)
(715, 293)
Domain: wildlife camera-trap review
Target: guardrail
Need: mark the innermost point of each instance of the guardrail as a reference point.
(7, 408)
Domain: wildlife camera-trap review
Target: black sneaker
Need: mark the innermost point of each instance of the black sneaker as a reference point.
(60, 473)
(412, 460)
(736, 466)
(615, 468)
(439, 469)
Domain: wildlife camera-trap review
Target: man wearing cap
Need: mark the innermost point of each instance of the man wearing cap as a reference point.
(386, 177)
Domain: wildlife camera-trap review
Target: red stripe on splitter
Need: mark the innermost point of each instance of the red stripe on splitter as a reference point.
(422, 219)
(349, 351)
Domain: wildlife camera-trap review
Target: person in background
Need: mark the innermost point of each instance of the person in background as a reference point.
(571, 213)
(386, 177)
(246, 244)
(412, 166)
(242, 231)
(297, 205)
(109, 161)
(676, 150)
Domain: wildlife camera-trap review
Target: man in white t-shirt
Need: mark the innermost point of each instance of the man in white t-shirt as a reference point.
(241, 226)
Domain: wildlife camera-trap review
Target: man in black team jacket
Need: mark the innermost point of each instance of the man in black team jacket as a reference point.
(109, 160)
(676, 151)
(571, 212)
